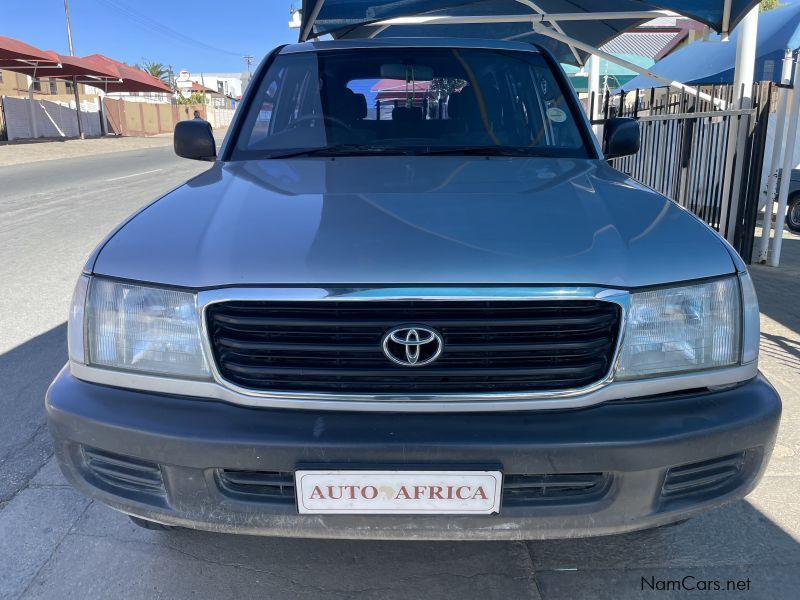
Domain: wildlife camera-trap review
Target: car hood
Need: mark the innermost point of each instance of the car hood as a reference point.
(413, 220)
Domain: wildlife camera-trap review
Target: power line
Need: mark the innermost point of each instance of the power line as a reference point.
(153, 25)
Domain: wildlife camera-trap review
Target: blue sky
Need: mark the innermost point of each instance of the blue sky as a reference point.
(195, 35)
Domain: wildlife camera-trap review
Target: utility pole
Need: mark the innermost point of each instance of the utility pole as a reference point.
(74, 78)
(249, 60)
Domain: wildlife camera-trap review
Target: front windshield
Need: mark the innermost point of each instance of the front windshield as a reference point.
(410, 101)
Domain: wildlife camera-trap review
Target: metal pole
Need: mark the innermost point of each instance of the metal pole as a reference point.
(307, 30)
(594, 91)
(74, 79)
(546, 31)
(514, 18)
(555, 25)
(32, 108)
(744, 69)
(726, 20)
(743, 74)
(786, 170)
(777, 155)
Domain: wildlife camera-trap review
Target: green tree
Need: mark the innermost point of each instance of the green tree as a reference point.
(766, 5)
(156, 69)
(194, 98)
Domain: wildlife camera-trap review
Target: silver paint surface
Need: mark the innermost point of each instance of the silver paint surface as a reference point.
(413, 220)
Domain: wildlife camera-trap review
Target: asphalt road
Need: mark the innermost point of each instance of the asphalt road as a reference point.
(56, 544)
(52, 214)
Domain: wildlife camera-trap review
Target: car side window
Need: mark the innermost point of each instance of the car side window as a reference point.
(289, 99)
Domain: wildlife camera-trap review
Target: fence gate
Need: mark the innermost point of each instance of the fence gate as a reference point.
(684, 151)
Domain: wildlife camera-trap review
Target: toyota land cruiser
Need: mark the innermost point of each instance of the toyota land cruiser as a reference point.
(410, 299)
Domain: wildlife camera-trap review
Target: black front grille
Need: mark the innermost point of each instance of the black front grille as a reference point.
(518, 490)
(489, 346)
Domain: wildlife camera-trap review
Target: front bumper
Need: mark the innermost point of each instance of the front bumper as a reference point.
(633, 444)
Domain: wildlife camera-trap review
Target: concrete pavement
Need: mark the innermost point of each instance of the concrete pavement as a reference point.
(56, 544)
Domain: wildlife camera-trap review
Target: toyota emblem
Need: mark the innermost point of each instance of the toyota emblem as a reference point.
(412, 345)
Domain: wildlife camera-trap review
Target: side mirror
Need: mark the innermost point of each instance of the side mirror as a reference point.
(194, 139)
(620, 137)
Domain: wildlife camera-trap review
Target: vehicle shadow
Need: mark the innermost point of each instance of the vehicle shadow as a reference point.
(777, 288)
(735, 543)
(755, 539)
(25, 373)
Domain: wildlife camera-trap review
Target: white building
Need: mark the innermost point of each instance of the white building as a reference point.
(226, 84)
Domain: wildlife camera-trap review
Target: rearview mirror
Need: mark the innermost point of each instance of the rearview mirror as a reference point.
(406, 72)
(194, 139)
(620, 137)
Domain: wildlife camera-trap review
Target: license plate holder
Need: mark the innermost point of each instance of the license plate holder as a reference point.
(391, 492)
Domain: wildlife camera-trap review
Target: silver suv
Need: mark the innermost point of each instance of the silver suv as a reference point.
(410, 299)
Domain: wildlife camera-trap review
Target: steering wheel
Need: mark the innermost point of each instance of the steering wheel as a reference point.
(330, 118)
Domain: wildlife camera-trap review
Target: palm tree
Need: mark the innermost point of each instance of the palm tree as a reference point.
(157, 70)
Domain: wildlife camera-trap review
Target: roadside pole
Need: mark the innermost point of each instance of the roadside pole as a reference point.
(786, 170)
(74, 79)
(777, 155)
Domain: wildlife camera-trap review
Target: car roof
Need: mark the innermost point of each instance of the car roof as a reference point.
(388, 42)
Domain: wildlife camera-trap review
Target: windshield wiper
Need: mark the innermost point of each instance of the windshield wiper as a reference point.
(483, 151)
(339, 150)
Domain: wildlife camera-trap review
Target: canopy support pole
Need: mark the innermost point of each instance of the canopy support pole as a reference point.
(726, 20)
(556, 26)
(786, 170)
(777, 156)
(593, 89)
(743, 75)
(31, 107)
(74, 81)
(311, 20)
(523, 18)
(546, 31)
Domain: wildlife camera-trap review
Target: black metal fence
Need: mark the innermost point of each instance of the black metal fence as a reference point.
(685, 152)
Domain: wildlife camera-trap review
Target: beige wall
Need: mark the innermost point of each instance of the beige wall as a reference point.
(16, 85)
(13, 84)
(142, 118)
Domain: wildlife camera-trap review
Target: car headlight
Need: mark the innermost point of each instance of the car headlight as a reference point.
(688, 328)
(137, 328)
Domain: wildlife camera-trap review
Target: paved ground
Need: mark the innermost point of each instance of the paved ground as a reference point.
(55, 544)
(28, 151)
(19, 153)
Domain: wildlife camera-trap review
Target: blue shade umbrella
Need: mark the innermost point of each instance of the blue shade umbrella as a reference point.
(351, 18)
(712, 62)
